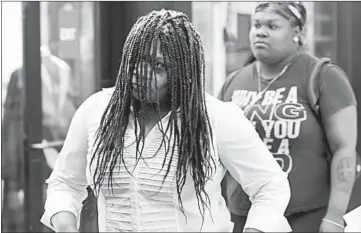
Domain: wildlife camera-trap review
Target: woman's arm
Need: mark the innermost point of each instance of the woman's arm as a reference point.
(341, 129)
(67, 183)
(339, 116)
(64, 221)
(250, 162)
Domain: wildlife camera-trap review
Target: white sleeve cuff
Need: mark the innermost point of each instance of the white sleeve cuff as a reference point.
(59, 202)
(266, 220)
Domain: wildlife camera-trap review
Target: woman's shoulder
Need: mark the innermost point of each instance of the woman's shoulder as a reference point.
(310, 61)
(307, 63)
(218, 109)
(242, 72)
(237, 79)
(99, 99)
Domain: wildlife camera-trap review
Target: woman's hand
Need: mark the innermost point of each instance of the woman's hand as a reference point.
(64, 222)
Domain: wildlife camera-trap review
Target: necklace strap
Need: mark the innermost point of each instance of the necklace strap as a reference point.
(258, 68)
(261, 92)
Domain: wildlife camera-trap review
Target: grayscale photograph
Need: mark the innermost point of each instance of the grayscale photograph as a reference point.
(180, 116)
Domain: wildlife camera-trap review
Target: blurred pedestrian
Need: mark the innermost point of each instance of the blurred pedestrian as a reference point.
(12, 156)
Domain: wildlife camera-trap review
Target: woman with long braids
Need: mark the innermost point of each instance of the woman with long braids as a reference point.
(156, 147)
(313, 141)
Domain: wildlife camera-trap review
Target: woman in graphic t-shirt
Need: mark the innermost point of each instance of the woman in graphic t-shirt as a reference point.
(273, 92)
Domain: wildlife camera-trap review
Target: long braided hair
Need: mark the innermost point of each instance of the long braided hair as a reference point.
(183, 54)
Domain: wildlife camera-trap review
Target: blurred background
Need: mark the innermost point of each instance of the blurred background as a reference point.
(56, 54)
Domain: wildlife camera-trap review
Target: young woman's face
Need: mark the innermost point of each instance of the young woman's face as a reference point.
(271, 37)
(158, 82)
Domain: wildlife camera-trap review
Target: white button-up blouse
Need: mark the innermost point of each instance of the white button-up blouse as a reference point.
(140, 202)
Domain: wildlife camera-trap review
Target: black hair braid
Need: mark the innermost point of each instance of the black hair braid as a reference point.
(189, 129)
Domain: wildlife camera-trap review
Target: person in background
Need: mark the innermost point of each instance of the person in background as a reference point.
(58, 109)
(12, 157)
(273, 92)
(155, 147)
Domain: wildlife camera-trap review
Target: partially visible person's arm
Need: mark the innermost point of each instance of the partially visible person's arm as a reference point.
(341, 131)
(64, 221)
(250, 162)
(67, 183)
(339, 114)
(226, 84)
(220, 95)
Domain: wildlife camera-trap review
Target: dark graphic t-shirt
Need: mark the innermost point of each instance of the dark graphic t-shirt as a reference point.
(286, 123)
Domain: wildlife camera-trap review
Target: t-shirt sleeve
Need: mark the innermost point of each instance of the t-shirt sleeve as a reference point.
(229, 79)
(225, 86)
(336, 92)
(220, 95)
